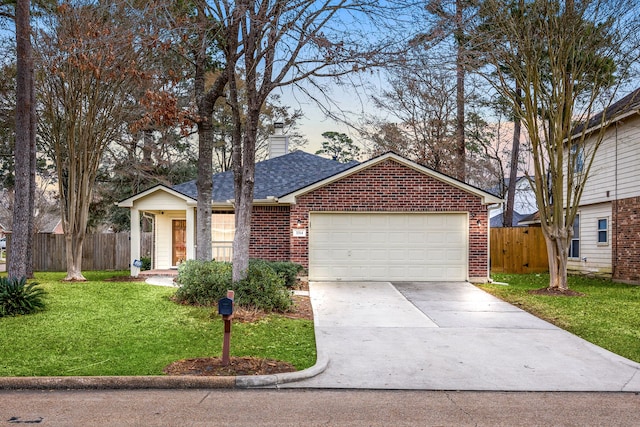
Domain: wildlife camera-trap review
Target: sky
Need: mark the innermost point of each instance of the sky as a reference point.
(349, 101)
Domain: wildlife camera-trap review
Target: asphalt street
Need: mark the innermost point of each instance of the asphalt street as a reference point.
(315, 408)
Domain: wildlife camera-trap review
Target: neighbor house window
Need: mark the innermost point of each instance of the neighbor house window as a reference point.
(577, 152)
(603, 231)
(574, 246)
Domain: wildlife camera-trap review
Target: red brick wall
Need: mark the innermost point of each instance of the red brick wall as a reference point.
(270, 233)
(392, 187)
(626, 239)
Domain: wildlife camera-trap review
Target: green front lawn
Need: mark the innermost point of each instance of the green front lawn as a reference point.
(131, 328)
(607, 315)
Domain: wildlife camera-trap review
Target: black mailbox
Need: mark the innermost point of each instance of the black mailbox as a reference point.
(225, 306)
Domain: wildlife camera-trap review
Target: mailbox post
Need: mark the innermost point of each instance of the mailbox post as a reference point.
(225, 309)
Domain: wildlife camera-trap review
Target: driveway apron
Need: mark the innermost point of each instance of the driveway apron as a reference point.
(450, 336)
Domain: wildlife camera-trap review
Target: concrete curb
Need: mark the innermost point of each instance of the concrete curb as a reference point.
(159, 382)
(272, 381)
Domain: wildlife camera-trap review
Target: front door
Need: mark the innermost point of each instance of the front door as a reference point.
(179, 241)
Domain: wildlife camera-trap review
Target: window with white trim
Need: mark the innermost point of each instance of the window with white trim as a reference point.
(603, 231)
(574, 245)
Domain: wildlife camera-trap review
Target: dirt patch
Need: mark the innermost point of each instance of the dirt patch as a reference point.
(556, 292)
(212, 366)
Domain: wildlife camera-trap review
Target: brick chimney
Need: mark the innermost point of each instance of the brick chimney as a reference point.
(278, 142)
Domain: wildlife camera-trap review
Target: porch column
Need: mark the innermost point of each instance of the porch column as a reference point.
(135, 240)
(191, 232)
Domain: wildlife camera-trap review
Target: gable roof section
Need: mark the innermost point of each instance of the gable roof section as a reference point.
(487, 198)
(128, 202)
(274, 177)
(496, 221)
(620, 109)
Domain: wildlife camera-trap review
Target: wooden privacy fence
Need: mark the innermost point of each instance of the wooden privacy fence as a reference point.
(104, 251)
(518, 250)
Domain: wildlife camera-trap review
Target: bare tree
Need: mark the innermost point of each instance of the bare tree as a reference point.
(567, 59)
(92, 63)
(275, 44)
(423, 102)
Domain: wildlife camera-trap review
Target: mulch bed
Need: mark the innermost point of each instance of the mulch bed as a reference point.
(212, 366)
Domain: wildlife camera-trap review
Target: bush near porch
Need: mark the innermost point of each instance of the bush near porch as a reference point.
(607, 315)
(105, 327)
(265, 288)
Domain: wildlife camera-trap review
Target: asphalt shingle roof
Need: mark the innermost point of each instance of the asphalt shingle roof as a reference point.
(496, 221)
(629, 103)
(274, 177)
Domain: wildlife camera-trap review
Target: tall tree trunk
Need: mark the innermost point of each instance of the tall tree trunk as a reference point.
(557, 248)
(204, 184)
(460, 101)
(205, 100)
(19, 259)
(74, 257)
(507, 218)
(204, 181)
(147, 149)
(32, 181)
(244, 178)
(75, 216)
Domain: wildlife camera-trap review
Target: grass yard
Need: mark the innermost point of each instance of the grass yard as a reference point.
(131, 328)
(607, 315)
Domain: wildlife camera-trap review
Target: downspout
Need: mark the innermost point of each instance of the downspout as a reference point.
(489, 209)
(614, 261)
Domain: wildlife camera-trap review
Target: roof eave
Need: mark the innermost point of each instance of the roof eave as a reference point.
(128, 203)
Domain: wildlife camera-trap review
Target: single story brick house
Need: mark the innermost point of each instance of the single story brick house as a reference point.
(384, 219)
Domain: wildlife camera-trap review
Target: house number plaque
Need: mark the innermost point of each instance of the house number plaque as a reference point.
(299, 232)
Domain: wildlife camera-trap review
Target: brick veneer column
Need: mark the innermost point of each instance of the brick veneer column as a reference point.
(392, 187)
(270, 233)
(626, 239)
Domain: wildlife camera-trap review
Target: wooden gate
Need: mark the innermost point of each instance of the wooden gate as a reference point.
(518, 250)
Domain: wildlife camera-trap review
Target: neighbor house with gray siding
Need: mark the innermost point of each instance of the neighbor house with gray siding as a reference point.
(606, 237)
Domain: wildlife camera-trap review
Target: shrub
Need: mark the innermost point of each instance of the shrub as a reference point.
(18, 297)
(263, 288)
(203, 282)
(146, 263)
(288, 271)
(206, 282)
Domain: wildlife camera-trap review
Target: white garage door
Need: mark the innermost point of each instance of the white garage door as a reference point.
(387, 247)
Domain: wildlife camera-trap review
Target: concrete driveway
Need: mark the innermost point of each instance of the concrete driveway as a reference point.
(450, 336)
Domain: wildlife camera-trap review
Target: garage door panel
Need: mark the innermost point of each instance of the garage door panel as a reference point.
(372, 246)
(418, 238)
(378, 254)
(378, 237)
(397, 255)
(417, 255)
(437, 238)
(397, 238)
